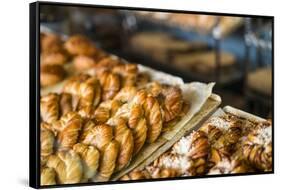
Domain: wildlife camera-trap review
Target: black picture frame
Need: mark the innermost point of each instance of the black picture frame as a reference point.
(34, 92)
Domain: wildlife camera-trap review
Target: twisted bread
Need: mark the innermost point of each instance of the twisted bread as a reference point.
(126, 94)
(49, 108)
(47, 140)
(153, 118)
(98, 136)
(137, 124)
(68, 128)
(124, 137)
(128, 73)
(108, 161)
(87, 91)
(106, 110)
(66, 103)
(68, 166)
(110, 83)
(90, 159)
(48, 176)
(170, 99)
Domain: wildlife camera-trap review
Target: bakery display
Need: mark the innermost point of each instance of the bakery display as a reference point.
(226, 144)
(103, 116)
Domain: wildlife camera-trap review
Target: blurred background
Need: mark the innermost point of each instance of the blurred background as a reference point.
(234, 52)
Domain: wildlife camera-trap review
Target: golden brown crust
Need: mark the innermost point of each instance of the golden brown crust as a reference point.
(51, 74)
(128, 72)
(126, 94)
(49, 108)
(86, 90)
(110, 83)
(90, 159)
(137, 124)
(108, 161)
(68, 167)
(124, 136)
(80, 45)
(82, 62)
(54, 58)
(170, 98)
(257, 148)
(50, 43)
(106, 110)
(153, 118)
(65, 103)
(99, 136)
(47, 141)
(48, 176)
(69, 127)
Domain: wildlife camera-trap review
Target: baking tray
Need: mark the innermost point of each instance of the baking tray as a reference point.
(243, 114)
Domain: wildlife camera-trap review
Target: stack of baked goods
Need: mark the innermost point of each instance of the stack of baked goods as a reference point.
(98, 122)
(225, 144)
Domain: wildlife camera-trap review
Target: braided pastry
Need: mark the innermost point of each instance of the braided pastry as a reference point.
(49, 108)
(68, 128)
(68, 166)
(47, 140)
(124, 137)
(88, 125)
(153, 119)
(170, 99)
(128, 73)
(80, 45)
(48, 176)
(98, 136)
(106, 110)
(66, 103)
(90, 159)
(108, 161)
(137, 124)
(126, 94)
(87, 91)
(110, 83)
(257, 148)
